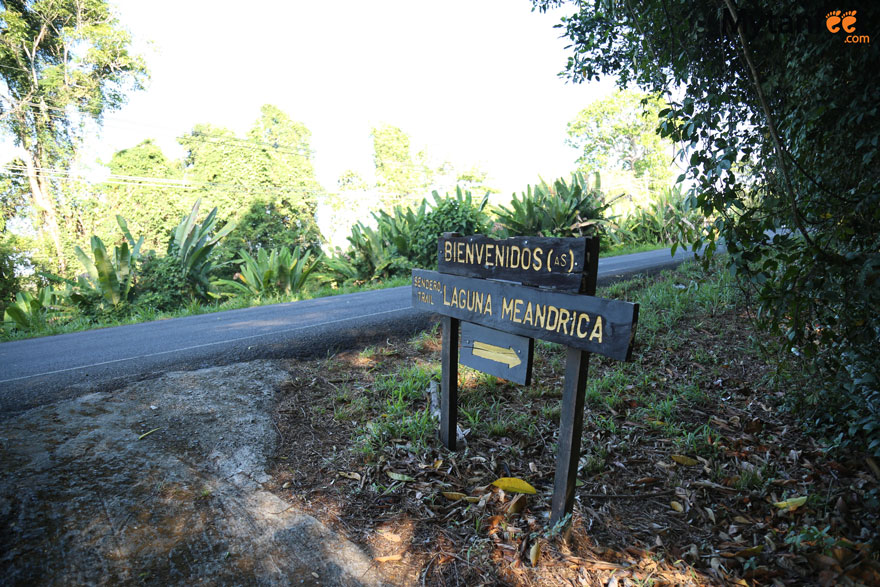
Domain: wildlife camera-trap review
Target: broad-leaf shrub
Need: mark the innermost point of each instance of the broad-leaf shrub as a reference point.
(192, 243)
(459, 214)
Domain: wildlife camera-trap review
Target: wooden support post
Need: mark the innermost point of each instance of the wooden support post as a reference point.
(449, 383)
(571, 426)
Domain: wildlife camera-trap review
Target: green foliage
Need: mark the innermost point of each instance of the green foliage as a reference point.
(618, 132)
(107, 282)
(280, 272)
(161, 285)
(667, 219)
(408, 237)
(373, 253)
(561, 210)
(459, 214)
(61, 62)
(152, 206)
(192, 243)
(30, 312)
(400, 175)
(766, 116)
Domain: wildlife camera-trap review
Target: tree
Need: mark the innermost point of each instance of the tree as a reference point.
(62, 62)
(265, 182)
(619, 132)
(764, 84)
(141, 189)
(401, 177)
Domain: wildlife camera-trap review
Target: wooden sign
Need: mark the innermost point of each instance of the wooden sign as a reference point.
(601, 326)
(497, 353)
(551, 299)
(566, 264)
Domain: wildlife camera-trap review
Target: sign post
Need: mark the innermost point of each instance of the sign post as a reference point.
(501, 295)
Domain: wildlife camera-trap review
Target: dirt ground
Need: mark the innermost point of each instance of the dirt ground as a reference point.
(161, 483)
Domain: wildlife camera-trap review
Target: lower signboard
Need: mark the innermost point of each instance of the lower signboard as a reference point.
(497, 353)
(597, 325)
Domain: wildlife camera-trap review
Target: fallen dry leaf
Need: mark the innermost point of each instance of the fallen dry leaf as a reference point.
(535, 553)
(514, 485)
(791, 504)
(389, 558)
(684, 460)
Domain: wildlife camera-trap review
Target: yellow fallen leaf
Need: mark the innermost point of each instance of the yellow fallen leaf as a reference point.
(514, 485)
(791, 504)
(388, 559)
(741, 520)
(684, 460)
(399, 476)
(748, 552)
(454, 495)
(535, 553)
(676, 506)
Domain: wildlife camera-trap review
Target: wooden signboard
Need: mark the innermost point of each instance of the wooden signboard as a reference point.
(601, 326)
(565, 264)
(505, 293)
(497, 353)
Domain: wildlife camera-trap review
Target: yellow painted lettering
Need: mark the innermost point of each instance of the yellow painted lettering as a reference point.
(517, 307)
(540, 314)
(552, 314)
(597, 330)
(537, 263)
(506, 309)
(563, 320)
(528, 317)
(582, 319)
(447, 250)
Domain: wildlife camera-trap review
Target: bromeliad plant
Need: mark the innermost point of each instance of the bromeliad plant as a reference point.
(563, 209)
(108, 280)
(31, 312)
(279, 272)
(192, 243)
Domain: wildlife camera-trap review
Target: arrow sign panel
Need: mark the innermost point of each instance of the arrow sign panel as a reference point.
(497, 353)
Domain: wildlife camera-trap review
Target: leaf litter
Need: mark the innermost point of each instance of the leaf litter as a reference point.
(720, 486)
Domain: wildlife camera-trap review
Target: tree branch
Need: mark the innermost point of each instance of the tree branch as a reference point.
(774, 134)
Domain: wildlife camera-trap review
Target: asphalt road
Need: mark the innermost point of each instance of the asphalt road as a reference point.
(38, 371)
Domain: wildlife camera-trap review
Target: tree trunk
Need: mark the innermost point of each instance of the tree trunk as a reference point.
(44, 205)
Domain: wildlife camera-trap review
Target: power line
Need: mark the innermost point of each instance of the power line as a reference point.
(182, 184)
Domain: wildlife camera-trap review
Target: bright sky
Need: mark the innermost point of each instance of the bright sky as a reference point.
(473, 82)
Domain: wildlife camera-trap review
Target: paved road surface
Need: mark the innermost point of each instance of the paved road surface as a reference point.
(38, 371)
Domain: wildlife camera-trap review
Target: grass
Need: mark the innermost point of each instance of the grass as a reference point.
(695, 389)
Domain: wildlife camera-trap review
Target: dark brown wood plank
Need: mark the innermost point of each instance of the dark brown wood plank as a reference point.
(571, 423)
(449, 383)
(601, 326)
(564, 264)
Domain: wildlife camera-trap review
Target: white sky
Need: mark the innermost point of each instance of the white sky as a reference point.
(473, 82)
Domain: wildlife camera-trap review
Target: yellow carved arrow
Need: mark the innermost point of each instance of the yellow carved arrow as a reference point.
(498, 354)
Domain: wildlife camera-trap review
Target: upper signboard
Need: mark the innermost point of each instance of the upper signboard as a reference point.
(564, 264)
